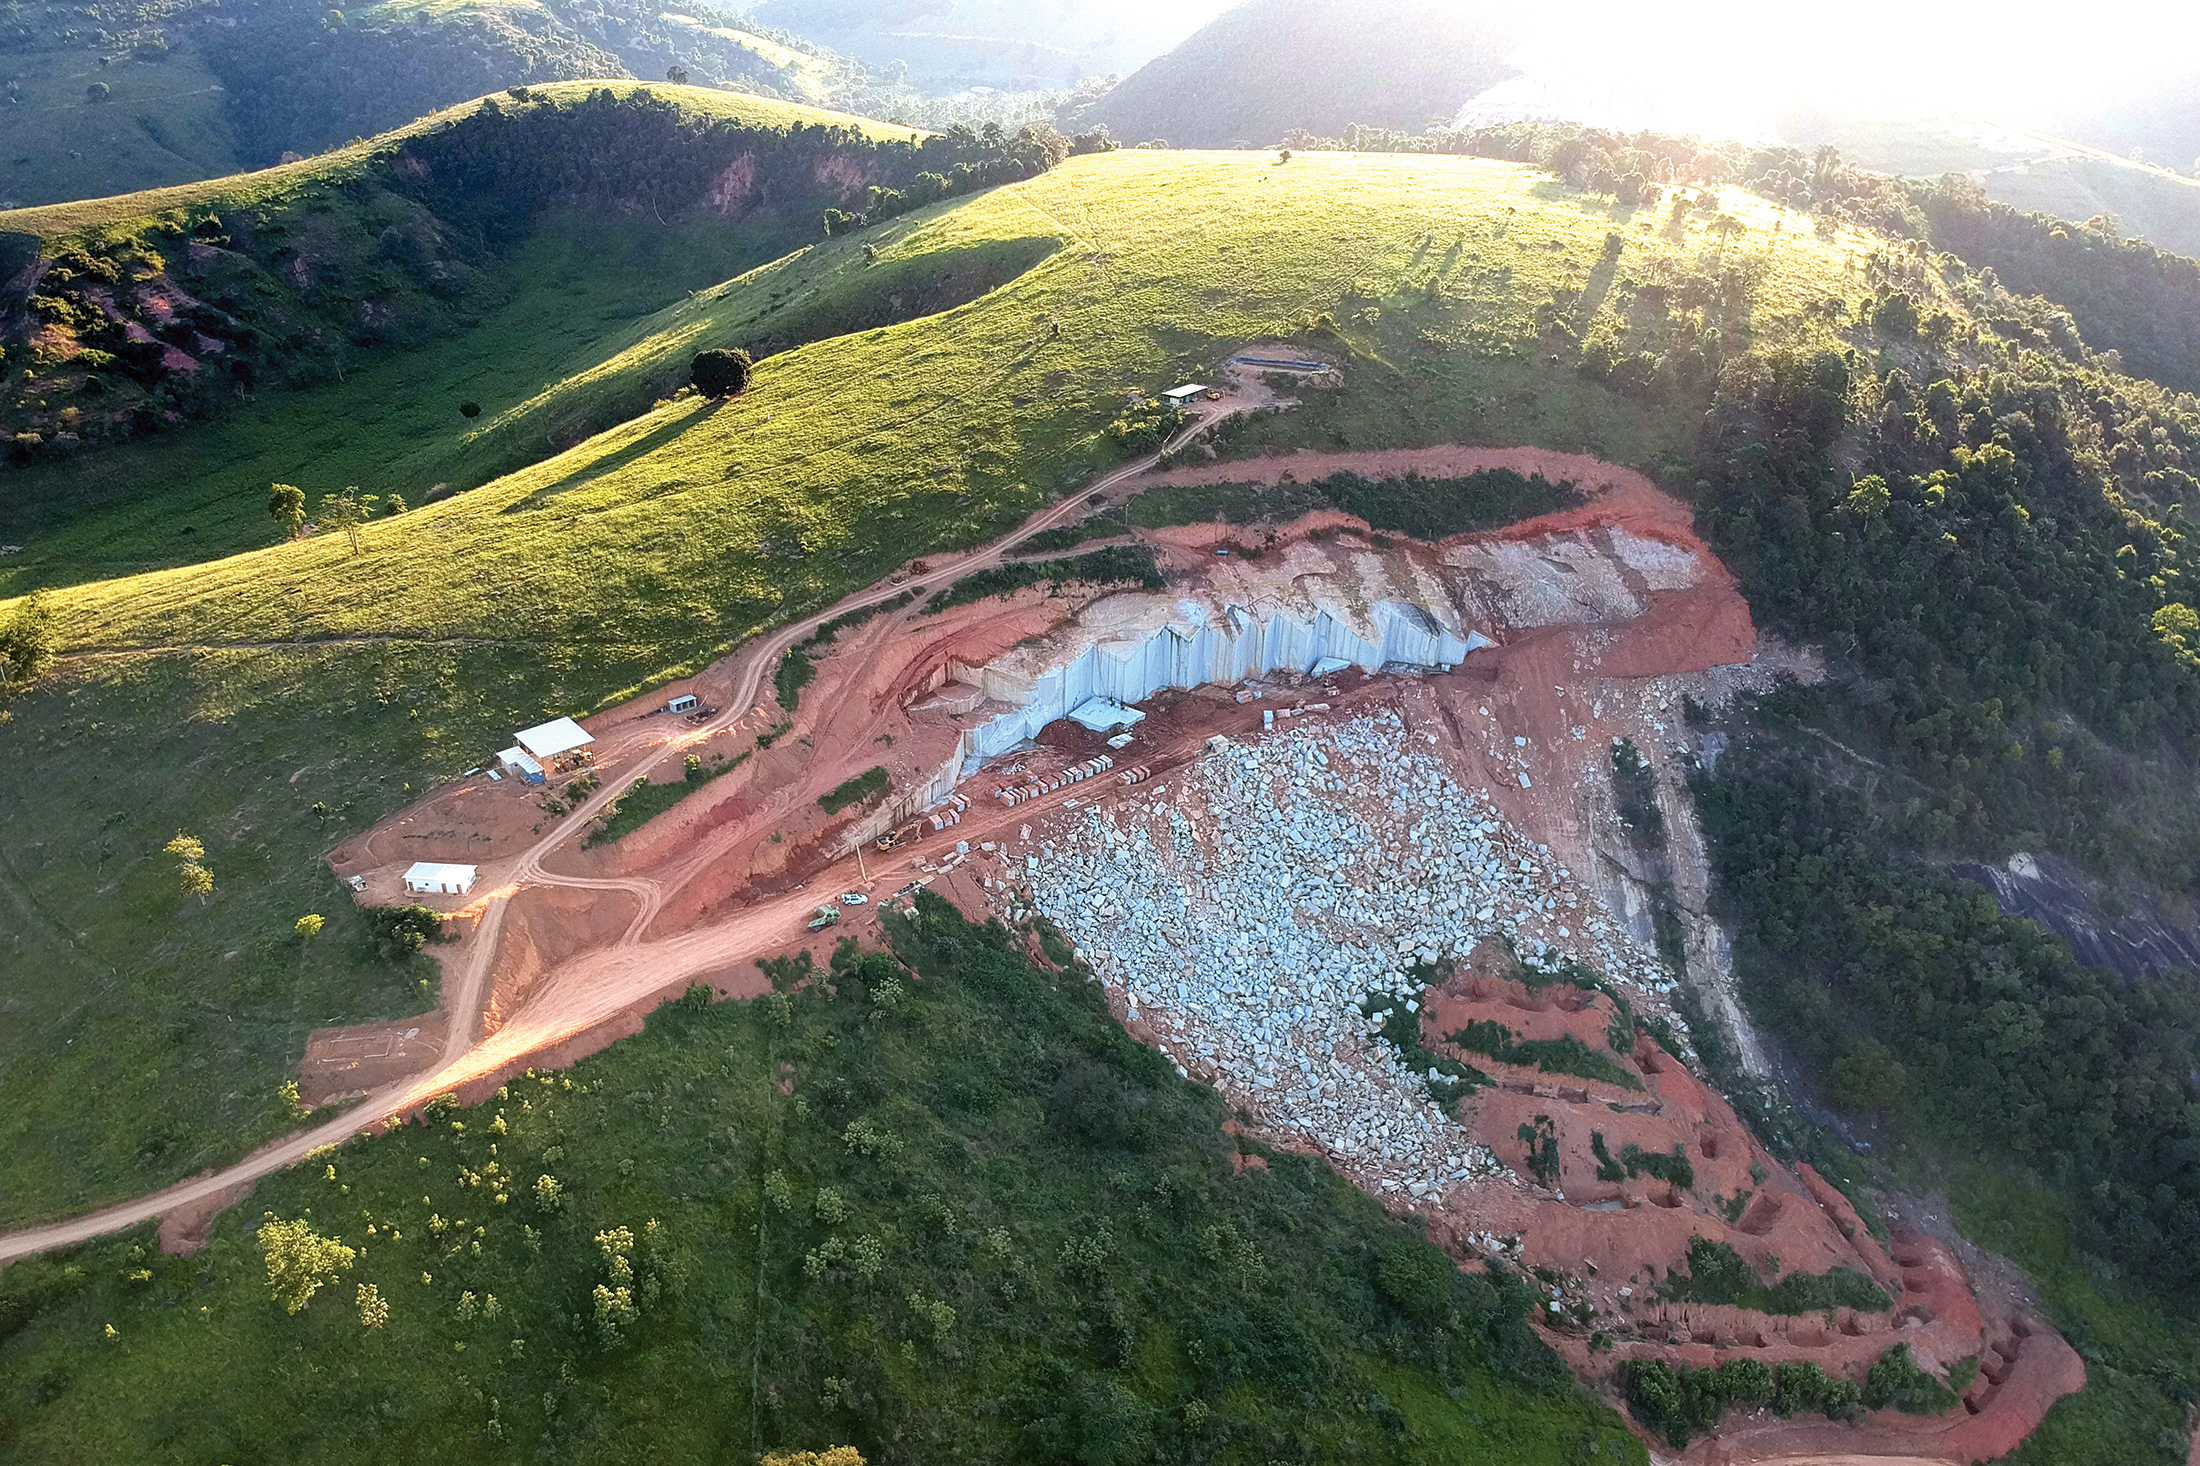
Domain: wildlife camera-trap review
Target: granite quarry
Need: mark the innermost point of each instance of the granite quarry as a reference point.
(1249, 914)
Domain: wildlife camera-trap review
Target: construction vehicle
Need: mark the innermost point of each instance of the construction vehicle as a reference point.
(889, 842)
(825, 916)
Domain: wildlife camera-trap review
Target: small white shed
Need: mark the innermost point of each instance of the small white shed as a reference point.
(429, 878)
(1185, 395)
(515, 760)
(559, 735)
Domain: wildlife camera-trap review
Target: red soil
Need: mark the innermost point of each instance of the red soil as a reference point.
(186, 1231)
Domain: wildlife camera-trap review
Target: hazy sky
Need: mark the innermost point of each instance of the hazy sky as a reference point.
(1725, 67)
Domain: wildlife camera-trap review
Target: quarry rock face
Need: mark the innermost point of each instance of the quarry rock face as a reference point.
(1129, 647)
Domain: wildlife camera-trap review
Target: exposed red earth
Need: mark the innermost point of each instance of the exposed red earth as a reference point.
(1604, 617)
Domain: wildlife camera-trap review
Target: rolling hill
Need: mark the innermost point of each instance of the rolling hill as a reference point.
(184, 89)
(1938, 477)
(1037, 45)
(686, 527)
(1270, 67)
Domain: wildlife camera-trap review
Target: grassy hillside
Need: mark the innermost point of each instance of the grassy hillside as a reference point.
(390, 425)
(2037, 172)
(984, 1225)
(281, 184)
(659, 543)
(129, 322)
(1266, 68)
(160, 119)
(109, 98)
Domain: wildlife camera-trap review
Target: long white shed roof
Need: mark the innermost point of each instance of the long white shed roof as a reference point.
(433, 873)
(560, 735)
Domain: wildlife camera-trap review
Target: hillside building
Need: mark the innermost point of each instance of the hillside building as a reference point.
(431, 878)
(558, 736)
(515, 760)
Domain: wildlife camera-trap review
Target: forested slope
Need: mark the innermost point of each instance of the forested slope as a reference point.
(1979, 508)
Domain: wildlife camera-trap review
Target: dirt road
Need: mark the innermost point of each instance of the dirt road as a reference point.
(615, 978)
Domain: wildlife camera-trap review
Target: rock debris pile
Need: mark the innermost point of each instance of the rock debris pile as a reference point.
(1248, 916)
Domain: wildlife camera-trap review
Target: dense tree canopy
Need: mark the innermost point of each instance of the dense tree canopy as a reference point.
(721, 372)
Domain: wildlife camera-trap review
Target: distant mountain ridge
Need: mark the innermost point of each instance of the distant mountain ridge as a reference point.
(182, 90)
(1014, 45)
(1268, 67)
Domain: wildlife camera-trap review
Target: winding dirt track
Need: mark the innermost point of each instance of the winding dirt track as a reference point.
(601, 984)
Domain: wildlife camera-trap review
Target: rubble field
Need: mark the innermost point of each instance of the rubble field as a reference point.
(1249, 914)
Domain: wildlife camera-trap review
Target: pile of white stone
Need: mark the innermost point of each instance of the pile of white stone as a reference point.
(1250, 913)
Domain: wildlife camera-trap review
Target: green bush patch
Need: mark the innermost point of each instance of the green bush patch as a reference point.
(1634, 1161)
(1896, 1380)
(1718, 1274)
(1118, 563)
(645, 801)
(1682, 1403)
(793, 673)
(1568, 1055)
(1447, 1079)
(1424, 508)
(863, 788)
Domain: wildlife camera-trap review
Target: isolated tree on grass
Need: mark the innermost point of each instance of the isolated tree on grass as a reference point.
(191, 871)
(722, 373)
(309, 926)
(347, 511)
(300, 1261)
(27, 645)
(288, 504)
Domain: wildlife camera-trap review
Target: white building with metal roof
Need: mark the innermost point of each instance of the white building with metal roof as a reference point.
(431, 878)
(559, 735)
